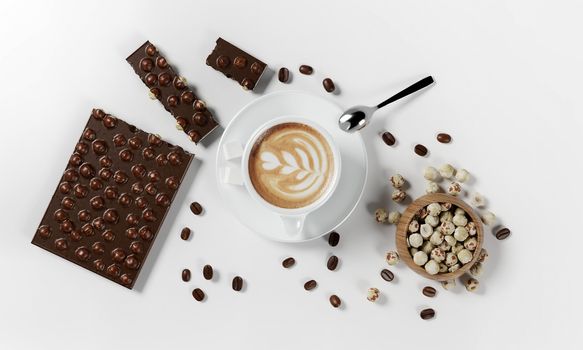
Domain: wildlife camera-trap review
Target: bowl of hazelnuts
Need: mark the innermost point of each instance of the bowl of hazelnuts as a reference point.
(439, 236)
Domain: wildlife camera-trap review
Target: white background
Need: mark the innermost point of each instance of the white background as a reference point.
(508, 90)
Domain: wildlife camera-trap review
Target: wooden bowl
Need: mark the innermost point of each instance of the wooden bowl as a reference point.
(407, 217)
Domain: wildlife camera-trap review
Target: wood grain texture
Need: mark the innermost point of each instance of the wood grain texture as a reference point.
(402, 226)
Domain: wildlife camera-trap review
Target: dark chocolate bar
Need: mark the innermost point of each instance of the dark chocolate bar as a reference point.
(116, 190)
(171, 90)
(236, 64)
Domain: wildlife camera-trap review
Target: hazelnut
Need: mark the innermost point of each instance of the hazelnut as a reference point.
(471, 227)
(438, 255)
(472, 284)
(434, 209)
(448, 285)
(442, 268)
(450, 259)
(397, 181)
(446, 171)
(415, 240)
(445, 246)
(457, 248)
(426, 230)
(450, 240)
(460, 220)
(488, 218)
(372, 294)
(431, 174)
(477, 200)
(432, 220)
(436, 238)
(432, 267)
(414, 226)
(431, 187)
(483, 256)
(459, 211)
(447, 228)
(471, 243)
(446, 216)
(464, 256)
(427, 247)
(476, 269)
(462, 175)
(420, 258)
(381, 215)
(454, 189)
(394, 217)
(392, 258)
(460, 234)
(445, 206)
(453, 268)
(398, 196)
(413, 251)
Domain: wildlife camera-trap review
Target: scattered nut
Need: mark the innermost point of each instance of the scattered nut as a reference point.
(397, 181)
(488, 218)
(464, 256)
(462, 175)
(431, 174)
(381, 215)
(472, 284)
(477, 200)
(476, 269)
(392, 258)
(394, 217)
(483, 256)
(454, 189)
(448, 285)
(398, 195)
(420, 258)
(373, 294)
(447, 171)
(432, 267)
(431, 187)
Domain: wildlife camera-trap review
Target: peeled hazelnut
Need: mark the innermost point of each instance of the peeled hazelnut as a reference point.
(450, 240)
(488, 218)
(448, 285)
(372, 294)
(432, 267)
(412, 251)
(442, 268)
(397, 181)
(426, 230)
(398, 196)
(436, 238)
(431, 187)
(447, 228)
(471, 243)
(462, 175)
(414, 226)
(459, 211)
(415, 240)
(464, 256)
(420, 258)
(447, 171)
(446, 216)
(454, 189)
(453, 268)
(460, 220)
(431, 174)
(476, 269)
(450, 259)
(381, 215)
(471, 227)
(477, 200)
(445, 206)
(437, 254)
(445, 246)
(472, 285)
(427, 247)
(422, 213)
(457, 248)
(392, 258)
(460, 234)
(432, 220)
(394, 217)
(434, 209)
(483, 256)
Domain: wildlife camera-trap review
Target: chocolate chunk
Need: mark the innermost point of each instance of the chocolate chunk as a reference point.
(429, 291)
(328, 85)
(443, 138)
(335, 301)
(196, 208)
(332, 263)
(171, 90)
(288, 262)
(387, 275)
(502, 233)
(236, 64)
(185, 234)
(237, 283)
(283, 75)
(311, 284)
(420, 150)
(388, 138)
(207, 272)
(186, 275)
(92, 219)
(305, 69)
(427, 314)
(333, 239)
(198, 294)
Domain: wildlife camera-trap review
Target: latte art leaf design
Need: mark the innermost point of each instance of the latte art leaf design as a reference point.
(293, 166)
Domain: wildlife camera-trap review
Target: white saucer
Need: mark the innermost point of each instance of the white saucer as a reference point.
(352, 179)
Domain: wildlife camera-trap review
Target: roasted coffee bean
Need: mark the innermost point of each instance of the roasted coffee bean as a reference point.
(288, 262)
(429, 291)
(311, 284)
(421, 150)
(237, 283)
(328, 85)
(333, 239)
(305, 69)
(388, 138)
(427, 314)
(207, 272)
(185, 234)
(283, 75)
(503, 233)
(332, 263)
(387, 275)
(198, 294)
(335, 300)
(196, 208)
(443, 138)
(186, 275)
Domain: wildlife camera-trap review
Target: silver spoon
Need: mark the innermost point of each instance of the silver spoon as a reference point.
(357, 117)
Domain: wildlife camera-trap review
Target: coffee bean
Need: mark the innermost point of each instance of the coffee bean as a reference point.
(196, 208)
(283, 75)
(333, 239)
(207, 272)
(198, 294)
(305, 69)
(429, 291)
(288, 262)
(335, 300)
(443, 138)
(185, 234)
(387, 275)
(328, 85)
(332, 263)
(311, 284)
(388, 138)
(237, 283)
(186, 275)
(427, 314)
(421, 150)
(503, 233)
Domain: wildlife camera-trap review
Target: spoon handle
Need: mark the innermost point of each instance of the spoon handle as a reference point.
(408, 91)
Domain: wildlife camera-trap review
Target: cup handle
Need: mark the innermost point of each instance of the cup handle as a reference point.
(293, 225)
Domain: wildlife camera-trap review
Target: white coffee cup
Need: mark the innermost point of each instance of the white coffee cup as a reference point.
(293, 218)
